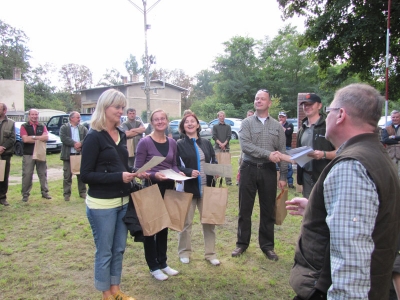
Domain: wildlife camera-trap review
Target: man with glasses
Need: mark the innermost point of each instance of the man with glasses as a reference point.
(312, 134)
(349, 234)
(261, 137)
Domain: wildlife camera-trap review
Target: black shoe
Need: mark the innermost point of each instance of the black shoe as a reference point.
(238, 251)
(25, 198)
(271, 255)
(291, 186)
(46, 196)
(4, 202)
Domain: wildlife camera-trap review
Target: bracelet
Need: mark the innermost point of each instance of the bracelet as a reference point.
(324, 157)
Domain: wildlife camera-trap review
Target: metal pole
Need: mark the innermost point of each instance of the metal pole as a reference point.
(387, 62)
(147, 77)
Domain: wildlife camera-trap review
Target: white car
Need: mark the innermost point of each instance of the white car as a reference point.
(233, 122)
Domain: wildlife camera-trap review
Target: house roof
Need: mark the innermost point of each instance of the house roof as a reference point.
(135, 83)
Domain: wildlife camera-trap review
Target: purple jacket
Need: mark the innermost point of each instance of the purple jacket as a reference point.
(146, 149)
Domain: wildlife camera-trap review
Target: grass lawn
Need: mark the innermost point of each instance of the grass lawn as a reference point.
(47, 252)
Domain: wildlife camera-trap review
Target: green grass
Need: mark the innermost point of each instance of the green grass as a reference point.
(47, 252)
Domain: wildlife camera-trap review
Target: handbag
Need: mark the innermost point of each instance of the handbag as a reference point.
(215, 200)
(39, 151)
(75, 164)
(177, 204)
(280, 207)
(150, 209)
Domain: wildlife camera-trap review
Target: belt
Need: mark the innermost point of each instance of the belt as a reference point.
(75, 154)
(257, 165)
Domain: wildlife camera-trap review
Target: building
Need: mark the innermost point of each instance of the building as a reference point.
(166, 97)
(12, 94)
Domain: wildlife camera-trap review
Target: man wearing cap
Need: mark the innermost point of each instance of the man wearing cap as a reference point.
(312, 134)
(288, 128)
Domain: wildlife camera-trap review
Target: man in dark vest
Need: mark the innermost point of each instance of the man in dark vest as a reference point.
(7, 140)
(31, 132)
(351, 224)
(133, 130)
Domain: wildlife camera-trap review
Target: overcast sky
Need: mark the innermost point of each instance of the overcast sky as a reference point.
(101, 34)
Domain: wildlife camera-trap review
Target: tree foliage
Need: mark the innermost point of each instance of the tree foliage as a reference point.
(132, 66)
(110, 78)
(14, 52)
(350, 31)
(75, 77)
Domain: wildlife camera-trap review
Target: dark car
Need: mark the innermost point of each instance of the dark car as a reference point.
(53, 144)
(55, 122)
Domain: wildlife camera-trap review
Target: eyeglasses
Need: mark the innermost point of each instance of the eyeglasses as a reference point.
(159, 120)
(329, 109)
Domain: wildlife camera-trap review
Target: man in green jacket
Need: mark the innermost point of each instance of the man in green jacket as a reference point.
(72, 135)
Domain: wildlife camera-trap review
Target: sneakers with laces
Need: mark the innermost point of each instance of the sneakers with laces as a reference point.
(170, 271)
(159, 275)
(121, 296)
(184, 260)
(214, 262)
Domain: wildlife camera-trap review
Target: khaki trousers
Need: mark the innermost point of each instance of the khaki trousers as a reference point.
(28, 166)
(184, 237)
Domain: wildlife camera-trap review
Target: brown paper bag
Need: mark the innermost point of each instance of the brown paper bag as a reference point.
(131, 147)
(280, 207)
(215, 200)
(39, 151)
(2, 169)
(299, 188)
(177, 204)
(223, 158)
(150, 209)
(75, 163)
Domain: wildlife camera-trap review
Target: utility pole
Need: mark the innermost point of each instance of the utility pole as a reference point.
(147, 63)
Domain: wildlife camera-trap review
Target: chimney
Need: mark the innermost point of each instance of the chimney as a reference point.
(134, 78)
(17, 73)
(124, 79)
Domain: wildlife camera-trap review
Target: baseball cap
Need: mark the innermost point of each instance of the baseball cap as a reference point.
(311, 97)
(282, 113)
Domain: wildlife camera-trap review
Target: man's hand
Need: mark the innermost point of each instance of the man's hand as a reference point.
(297, 206)
(275, 157)
(282, 184)
(78, 146)
(2, 149)
(316, 154)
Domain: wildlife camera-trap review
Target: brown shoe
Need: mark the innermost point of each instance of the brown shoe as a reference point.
(271, 255)
(4, 202)
(238, 251)
(66, 198)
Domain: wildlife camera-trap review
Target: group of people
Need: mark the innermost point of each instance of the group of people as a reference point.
(349, 235)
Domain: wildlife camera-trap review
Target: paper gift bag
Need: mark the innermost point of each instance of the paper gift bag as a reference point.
(2, 169)
(215, 200)
(280, 207)
(39, 151)
(75, 163)
(131, 147)
(223, 158)
(150, 209)
(177, 204)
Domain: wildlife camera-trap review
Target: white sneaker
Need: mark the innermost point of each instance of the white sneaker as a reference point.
(184, 260)
(215, 262)
(170, 271)
(159, 275)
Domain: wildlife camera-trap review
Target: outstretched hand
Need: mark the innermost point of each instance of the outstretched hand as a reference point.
(296, 206)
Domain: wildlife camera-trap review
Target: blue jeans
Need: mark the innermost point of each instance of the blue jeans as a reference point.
(110, 234)
(289, 170)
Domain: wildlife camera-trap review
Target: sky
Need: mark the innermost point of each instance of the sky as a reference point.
(101, 34)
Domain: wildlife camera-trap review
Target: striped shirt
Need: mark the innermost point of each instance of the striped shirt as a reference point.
(258, 140)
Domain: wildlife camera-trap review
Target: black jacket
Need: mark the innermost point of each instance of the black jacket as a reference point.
(103, 163)
(187, 153)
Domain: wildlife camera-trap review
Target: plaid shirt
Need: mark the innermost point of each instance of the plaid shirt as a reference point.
(258, 140)
(352, 204)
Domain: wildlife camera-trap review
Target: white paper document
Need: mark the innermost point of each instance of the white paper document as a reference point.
(171, 174)
(154, 161)
(218, 170)
(300, 155)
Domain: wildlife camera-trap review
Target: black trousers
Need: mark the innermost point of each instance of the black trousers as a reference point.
(263, 180)
(4, 184)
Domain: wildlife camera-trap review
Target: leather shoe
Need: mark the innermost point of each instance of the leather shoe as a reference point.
(271, 255)
(291, 186)
(46, 196)
(4, 202)
(238, 251)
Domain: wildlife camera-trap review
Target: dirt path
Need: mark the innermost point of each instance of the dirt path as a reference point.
(52, 174)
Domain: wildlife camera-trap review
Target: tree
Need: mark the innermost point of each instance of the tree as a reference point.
(350, 31)
(75, 77)
(203, 88)
(14, 52)
(110, 78)
(132, 66)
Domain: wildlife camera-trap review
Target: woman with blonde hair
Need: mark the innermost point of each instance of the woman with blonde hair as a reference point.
(158, 144)
(104, 168)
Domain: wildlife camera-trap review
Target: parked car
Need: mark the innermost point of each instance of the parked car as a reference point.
(381, 122)
(53, 144)
(233, 122)
(204, 133)
(55, 122)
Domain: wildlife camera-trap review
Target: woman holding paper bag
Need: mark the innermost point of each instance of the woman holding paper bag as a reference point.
(193, 152)
(158, 144)
(104, 168)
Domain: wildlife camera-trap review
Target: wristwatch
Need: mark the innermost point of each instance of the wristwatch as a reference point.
(34, 137)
